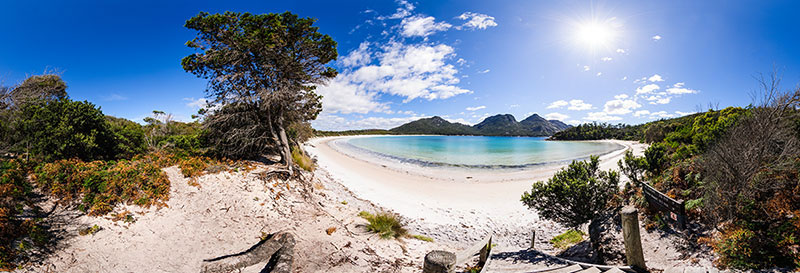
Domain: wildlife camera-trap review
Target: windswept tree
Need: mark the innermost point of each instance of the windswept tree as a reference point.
(262, 72)
(575, 195)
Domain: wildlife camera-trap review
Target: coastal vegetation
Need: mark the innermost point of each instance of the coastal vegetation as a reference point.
(77, 156)
(736, 168)
(575, 195)
(386, 225)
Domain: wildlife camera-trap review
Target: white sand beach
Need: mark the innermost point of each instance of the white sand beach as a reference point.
(456, 204)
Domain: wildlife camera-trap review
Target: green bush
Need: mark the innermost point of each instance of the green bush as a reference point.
(63, 129)
(302, 159)
(385, 224)
(128, 137)
(575, 195)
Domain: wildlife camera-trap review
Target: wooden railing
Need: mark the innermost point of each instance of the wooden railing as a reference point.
(675, 209)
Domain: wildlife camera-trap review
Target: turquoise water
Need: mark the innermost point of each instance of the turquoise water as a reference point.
(479, 150)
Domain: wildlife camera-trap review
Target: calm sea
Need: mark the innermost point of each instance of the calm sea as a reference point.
(480, 150)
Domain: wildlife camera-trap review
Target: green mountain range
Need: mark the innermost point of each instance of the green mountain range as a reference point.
(498, 125)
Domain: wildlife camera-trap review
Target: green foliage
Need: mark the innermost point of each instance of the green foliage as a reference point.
(262, 71)
(90, 230)
(633, 167)
(386, 225)
(64, 129)
(694, 204)
(100, 185)
(14, 190)
(595, 131)
(422, 238)
(128, 137)
(567, 239)
(302, 159)
(656, 158)
(575, 195)
(712, 125)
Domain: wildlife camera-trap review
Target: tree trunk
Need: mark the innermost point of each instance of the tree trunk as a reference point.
(286, 151)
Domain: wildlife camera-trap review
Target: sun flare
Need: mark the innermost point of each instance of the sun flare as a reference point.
(595, 34)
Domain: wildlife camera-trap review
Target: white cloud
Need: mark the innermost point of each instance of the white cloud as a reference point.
(476, 21)
(484, 71)
(601, 116)
(357, 57)
(196, 103)
(557, 104)
(625, 78)
(115, 97)
(620, 51)
(422, 26)
(621, 96)
(606, 59)
(409, 71)
(647, 89)
(678, 89)
(586, 68)
(661, 100)
(338, 123)
(403, 11)
(461, 61)
(574, 122)
(655, 78)
(661, 114)
(641, 113)
(556, 116)
(476, 108)
(579, 105)
(684, 113)
(513, 106)
(599, 74)
(620, 106)
(656, 38)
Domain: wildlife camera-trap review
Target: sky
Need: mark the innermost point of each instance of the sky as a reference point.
(575, 61)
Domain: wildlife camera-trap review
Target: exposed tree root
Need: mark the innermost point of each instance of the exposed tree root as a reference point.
(277, 249)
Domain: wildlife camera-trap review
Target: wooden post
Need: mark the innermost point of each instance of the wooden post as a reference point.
(633, 242)
(439, 261)
(533, 238)
(484, 254)
(681, 215)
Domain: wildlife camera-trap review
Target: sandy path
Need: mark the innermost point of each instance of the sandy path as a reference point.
(445, 202)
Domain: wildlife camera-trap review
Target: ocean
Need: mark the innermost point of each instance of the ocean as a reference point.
(480, 151)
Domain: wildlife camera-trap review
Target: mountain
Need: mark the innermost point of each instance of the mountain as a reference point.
(497, 125)
(434, 126)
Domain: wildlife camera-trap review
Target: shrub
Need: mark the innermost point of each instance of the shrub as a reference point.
(575, 195)
(62, 129)
(735, 249)
(302, 159)
(567, 239)
(16, 234)
(193, 166)
(128, 137)
(385, 224)
(102, 185)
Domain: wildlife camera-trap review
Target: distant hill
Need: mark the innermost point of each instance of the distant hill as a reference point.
(434, 126)
(498, 125)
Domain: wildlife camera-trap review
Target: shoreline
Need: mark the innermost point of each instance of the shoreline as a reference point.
(450, 204)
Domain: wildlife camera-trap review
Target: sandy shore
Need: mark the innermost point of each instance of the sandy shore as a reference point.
(450, 203)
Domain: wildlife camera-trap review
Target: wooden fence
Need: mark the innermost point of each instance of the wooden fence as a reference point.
(675, 209)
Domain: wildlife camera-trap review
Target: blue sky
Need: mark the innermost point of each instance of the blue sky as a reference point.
(577, 61)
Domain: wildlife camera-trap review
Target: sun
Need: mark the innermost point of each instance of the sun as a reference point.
(596, 35)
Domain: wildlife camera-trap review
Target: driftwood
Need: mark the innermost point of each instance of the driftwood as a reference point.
(277, 249)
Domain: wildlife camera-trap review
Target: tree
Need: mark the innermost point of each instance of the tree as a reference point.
(35, 89)
(575, 195)
(633, 167)
(262, 72)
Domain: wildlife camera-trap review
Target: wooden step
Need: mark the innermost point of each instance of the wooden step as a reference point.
(590, 270)
(568, 269)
